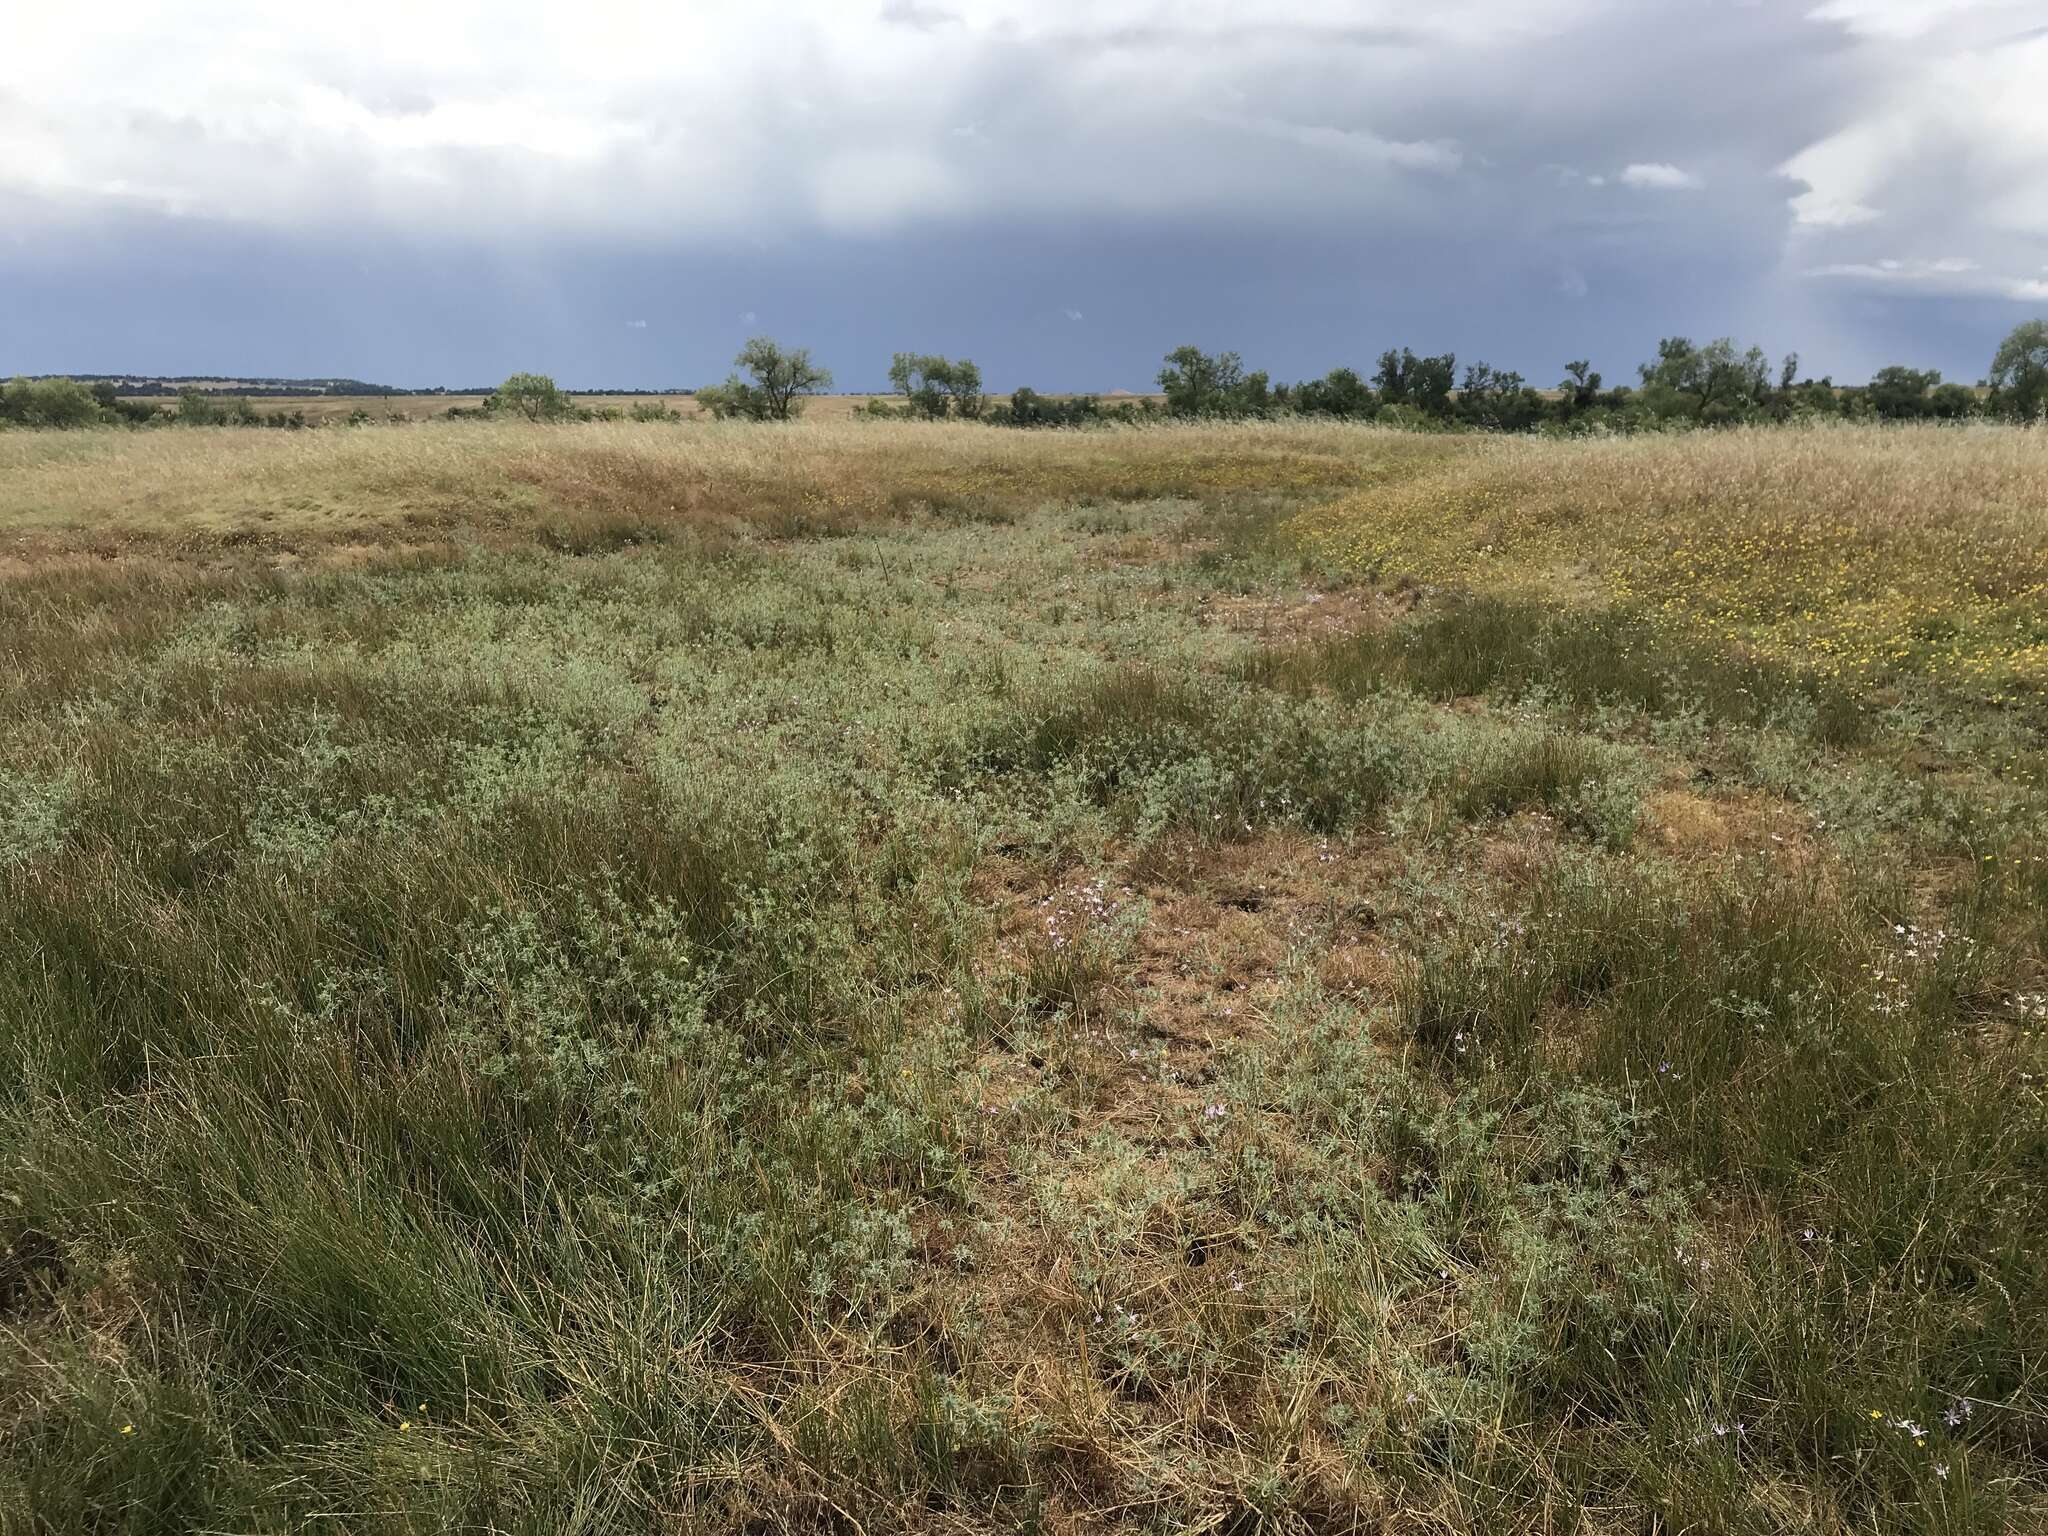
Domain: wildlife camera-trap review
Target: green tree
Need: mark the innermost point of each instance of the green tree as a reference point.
(780, 382)
(1818, 398)
(1580, 390)
(1713, 385)
(532, 395)
(1901, 394)
(1196, 384)
(1497, 399)
(1952, 402)
(1425, 383)
(1341, 392)
(2019, 373)
(934, 387)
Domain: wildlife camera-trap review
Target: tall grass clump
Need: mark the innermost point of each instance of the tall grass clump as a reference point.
(1463, 646)
(1825, 1076)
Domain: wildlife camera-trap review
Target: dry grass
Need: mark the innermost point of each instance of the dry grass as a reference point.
(877, 977)
(1856, 552)
(296, 490)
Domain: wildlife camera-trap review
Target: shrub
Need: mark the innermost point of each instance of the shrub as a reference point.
(1712, 385)
(532, 395)
(1498, 401)
(780, 381)
(197, 410)
(936, 387)
(49, 403)
(1423, 383)
(1028, 408)
(1199, 385)
(1952, 402)
(1341, 393)
(1901, 394)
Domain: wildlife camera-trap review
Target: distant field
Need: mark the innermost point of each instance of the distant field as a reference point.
(872, 977)
(318, 408)
(420, 407)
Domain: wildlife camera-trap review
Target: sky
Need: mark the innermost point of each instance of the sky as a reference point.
(621, 192)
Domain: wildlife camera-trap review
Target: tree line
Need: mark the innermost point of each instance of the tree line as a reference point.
(1686, 384)
(58, 402)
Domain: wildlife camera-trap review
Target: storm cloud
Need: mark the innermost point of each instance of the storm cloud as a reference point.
(440, 193)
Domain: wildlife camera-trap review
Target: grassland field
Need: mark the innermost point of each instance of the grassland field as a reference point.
(319, 410)
(878, 977)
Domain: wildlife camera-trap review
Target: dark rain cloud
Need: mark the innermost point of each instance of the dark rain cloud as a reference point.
(490, 186)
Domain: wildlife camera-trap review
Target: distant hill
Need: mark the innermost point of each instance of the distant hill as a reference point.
(172, 384)
(205, 384)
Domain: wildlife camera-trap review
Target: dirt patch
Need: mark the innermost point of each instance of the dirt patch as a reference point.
(1078, 1317)
(1302, 616)
(1122, 551)
(1157, 972)
(1683, 822)
(1692, 827)
(1515, 853)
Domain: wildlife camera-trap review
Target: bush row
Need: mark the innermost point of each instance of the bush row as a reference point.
(1686, 384)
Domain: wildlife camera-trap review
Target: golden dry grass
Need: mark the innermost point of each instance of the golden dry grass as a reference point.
(1857, 552)
(301, 489)
(1854, 551)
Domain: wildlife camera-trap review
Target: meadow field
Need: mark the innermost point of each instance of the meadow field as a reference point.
(873, 976)
(321, 410)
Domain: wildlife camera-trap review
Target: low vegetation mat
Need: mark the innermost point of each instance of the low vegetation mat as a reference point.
(897, 977)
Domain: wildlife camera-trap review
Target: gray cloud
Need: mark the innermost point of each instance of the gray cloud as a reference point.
(919, 17)
(1657, 176)
(1797, 164)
